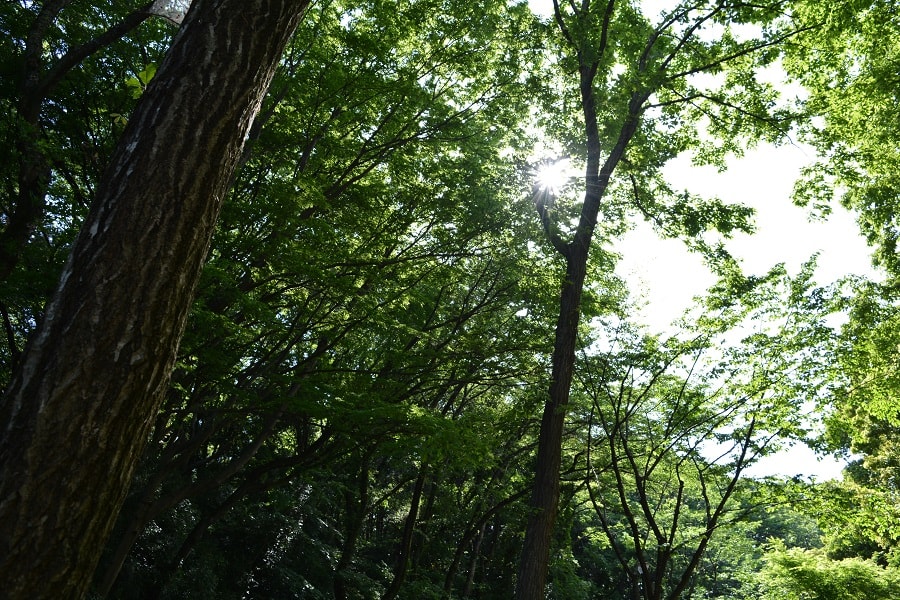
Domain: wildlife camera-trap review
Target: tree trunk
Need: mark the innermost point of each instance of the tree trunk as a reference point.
(403, 552)
(473, 563)
(85, 394)
(356, 506)
(545, 497)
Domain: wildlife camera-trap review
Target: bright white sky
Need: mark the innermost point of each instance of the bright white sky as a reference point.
(667, 277)
(670, 277)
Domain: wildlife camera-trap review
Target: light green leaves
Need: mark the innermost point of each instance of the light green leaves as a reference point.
(139, 82)
(797, 573)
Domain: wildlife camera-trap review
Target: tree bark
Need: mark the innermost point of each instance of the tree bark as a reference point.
(545, 495)
(85, 394)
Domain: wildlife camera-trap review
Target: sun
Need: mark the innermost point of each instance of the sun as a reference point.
(552, 176)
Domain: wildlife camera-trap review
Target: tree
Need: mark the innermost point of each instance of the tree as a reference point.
(318, 329)
(637, 104)
(64, 107)
(846, 64)
(847, 67)
(672, 425)
(90, 381)
(799, 573)
(357, 392)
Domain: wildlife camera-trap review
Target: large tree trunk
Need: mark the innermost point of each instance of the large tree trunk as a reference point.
(81, 403)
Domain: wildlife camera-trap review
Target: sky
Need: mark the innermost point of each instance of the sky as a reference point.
(670, 277)
(667, 277)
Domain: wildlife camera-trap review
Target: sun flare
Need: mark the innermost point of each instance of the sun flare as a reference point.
(553, 176)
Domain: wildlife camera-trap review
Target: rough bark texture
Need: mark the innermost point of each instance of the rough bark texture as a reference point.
(83, 399)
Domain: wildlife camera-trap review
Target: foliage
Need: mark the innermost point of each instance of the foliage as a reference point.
(383, 338)
(846, 64)
(670, 425)
(355, 408)
(797, 573)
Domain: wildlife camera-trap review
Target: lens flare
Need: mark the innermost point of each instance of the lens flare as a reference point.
(553, 176)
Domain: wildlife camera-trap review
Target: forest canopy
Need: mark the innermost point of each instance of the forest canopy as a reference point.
(292, 309)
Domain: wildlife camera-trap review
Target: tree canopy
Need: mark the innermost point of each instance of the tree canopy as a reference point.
(288, 312)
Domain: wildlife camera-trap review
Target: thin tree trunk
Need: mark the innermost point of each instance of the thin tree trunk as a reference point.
(473, 564)
(83, 399)
(545, 495)
(409, 528)
(151, 510)
(477, 528)
(355, 507)
(420, 536)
